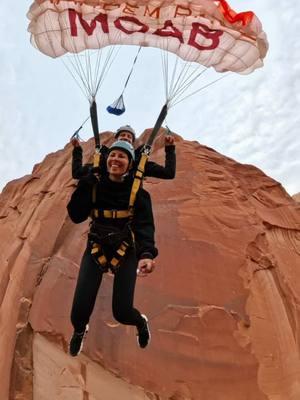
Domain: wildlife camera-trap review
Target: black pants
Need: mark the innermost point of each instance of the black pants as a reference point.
(88, 283)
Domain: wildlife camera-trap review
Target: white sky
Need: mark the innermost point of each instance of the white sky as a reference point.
(253, 119)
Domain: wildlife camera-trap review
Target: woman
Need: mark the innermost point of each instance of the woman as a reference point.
(119, 240)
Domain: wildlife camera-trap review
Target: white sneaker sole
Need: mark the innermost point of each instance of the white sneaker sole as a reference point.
(81, 346)
(137, 337)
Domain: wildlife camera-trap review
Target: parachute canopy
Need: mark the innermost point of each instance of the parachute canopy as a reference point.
(207, 32)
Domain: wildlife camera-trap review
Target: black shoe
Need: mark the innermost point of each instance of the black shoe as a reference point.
(76, 342)
(143, 335)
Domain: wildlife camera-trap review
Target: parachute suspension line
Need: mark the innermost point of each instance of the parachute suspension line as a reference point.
(190, 81)
(96, 76)
(173, 82)
(168, 130)
(118, 106)
(165, 70)
(99, 76)
(109, 60)
(88, 69)
(76, 133)
(81, 67)
(90, 77)
(113, 53)
(181, 78)
(49, 38)
(200, 89)
(86, 81)
(184, 80)
(187, 83)
(95, 73)
(187, 78)
(132, 68)
(77, 75)
(175, 86)
(74, 62)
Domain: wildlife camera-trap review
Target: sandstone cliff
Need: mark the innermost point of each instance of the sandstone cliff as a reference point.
(224, 301)
(296, 197)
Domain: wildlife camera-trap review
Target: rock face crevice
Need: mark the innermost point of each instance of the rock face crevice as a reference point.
(21, 378)
(223, 302)
(273, 307)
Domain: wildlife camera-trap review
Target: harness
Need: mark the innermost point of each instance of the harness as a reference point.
(97, 250)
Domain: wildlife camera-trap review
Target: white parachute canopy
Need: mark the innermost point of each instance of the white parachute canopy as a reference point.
(205, 32)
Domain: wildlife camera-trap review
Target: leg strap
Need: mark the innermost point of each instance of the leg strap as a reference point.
(112, 264)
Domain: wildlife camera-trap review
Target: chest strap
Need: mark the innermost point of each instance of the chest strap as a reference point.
(111, 213)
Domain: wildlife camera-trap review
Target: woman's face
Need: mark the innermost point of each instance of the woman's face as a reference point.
(117, 163)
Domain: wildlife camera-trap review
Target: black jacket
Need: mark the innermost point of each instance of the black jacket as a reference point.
(115, 196)
(152, 169)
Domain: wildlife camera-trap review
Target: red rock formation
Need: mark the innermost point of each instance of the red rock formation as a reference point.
(224, 300)
(296, 197)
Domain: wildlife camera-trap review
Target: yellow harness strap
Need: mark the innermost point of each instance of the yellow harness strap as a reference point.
(97, 158)
(96, 249)
(120, 253)
(138, 178)
(95, 211)
(115, 261)
(110, 213)
(115, 213)
(96, 164)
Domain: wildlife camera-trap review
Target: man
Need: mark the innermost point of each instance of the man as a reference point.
(127, 133)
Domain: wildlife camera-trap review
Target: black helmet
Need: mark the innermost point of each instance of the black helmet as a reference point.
(125, 128)
(124, 146)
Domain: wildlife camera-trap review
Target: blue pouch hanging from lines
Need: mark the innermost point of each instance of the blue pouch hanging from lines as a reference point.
(117, 107)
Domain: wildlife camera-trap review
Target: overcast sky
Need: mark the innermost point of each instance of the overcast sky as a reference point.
(253, 119)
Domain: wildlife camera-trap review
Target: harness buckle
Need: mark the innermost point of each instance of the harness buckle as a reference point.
(147, 149)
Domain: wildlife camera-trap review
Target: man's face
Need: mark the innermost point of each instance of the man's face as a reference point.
(127, 136)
